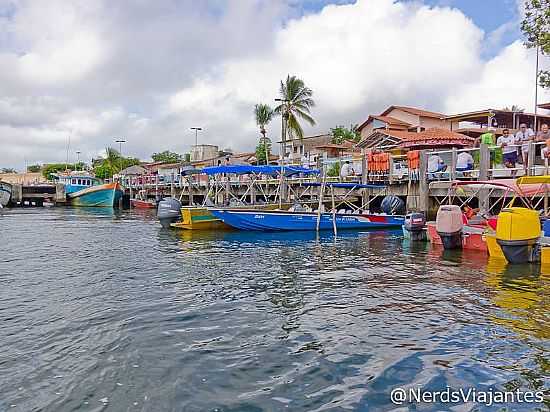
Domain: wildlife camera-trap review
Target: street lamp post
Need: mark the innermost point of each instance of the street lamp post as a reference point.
(120, 141)
(196, 129)
(284, 119)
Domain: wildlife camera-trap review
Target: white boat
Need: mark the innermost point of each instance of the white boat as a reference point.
(5, 193)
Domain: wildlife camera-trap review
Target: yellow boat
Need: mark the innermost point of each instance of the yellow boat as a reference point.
(199, 218)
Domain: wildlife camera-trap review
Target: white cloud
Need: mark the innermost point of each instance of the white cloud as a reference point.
(148, 72)
(507, 79)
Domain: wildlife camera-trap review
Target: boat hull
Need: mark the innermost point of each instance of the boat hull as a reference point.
(5, 193)
(142, 204)
(199, 218)
(288, 221)
(473, 237)
(106, 195)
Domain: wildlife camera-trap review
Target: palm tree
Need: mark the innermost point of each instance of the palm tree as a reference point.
(263, 114)
(514, 108)
(296, 103)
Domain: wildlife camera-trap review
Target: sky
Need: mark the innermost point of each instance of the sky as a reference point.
(146, 72)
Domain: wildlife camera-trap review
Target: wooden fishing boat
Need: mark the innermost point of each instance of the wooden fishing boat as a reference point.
(5, 193)
(87, 191)
(283, 220)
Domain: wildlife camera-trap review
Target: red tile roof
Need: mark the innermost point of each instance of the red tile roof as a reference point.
(436, 137)
(414, 110)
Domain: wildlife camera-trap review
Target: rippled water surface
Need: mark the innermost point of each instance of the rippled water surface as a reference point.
(106, 311)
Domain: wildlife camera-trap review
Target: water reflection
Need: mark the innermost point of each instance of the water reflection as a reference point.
(131, 316)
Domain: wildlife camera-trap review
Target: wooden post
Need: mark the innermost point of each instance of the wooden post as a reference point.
(423, 188)
(484, 166)
(531, 170)
(364, 168)
(253, 193)
(454, 158)
(131, 192)
(333, 211)
(172, 189)
(390, 177)
(321, 195)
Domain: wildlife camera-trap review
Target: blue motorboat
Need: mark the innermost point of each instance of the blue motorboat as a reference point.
(282, 220)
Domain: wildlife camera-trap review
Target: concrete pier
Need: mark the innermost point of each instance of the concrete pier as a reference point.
(37, 195)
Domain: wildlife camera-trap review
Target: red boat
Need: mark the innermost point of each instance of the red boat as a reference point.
(143, 204)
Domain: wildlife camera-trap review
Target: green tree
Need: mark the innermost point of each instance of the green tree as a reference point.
(296, 104)
(112, 163)
(536, 29)
(34, 168)
(341, 133)
(167, 157)
(263, 151)
(334, 170)
(7, 170)
(50, 169)
(263, 114)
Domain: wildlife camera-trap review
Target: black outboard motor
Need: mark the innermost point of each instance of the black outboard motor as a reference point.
(415, 225)
(169, 211)
(392, 205)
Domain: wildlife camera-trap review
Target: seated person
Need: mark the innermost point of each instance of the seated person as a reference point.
(464, 162)
(436, 165)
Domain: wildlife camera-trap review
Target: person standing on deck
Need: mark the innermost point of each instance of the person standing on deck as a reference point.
(543, 134)
(509, 152)
(488, 138)
(346, 170)
(523, 137)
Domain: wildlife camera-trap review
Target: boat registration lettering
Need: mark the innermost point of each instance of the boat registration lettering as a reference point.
(259, 216)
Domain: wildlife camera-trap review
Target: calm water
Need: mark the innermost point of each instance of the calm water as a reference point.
(106, 311)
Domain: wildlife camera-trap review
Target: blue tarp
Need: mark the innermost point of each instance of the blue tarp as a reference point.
(265, 170)
(345, 185)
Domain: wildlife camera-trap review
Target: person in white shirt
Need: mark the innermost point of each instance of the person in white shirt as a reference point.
(464, 162)
(346, 170)
(523, 137)
(509, 151)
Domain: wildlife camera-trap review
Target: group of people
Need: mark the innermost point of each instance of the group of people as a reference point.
(515, 148)
(516, 145)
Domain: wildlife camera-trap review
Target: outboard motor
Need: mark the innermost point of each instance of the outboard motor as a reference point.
(518, 230)
(392, 205)
(169, 211)
(448, 225)
(415, 226)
